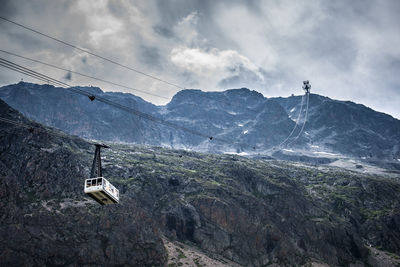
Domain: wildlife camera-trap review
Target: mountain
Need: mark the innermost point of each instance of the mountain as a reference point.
(241, 116)
(221, 114)
(248, 121)
(76, 114)
(231, 210)
(346, 127)
(46, 220)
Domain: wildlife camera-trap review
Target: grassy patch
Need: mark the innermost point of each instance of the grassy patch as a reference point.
(373, 214)
(181, 255)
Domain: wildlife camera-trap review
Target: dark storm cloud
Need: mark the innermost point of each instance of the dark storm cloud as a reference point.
(348, 49)
(117, 9)
(172, 12)
(163, 31)
(150, 56)
(27, 42)
(328, 45)
(241, 78)
(7, 9)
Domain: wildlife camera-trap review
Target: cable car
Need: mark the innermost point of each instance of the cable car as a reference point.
(101, 190)
(98, 187)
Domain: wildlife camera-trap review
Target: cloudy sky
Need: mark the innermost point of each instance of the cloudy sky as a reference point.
(349, 50)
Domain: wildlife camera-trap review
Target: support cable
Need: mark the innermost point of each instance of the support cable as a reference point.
(304, 123)
(121, 85)
(111, 61)
(83, 75)
(36, 75)
(297, 123)
(91, 53)
(31, 128)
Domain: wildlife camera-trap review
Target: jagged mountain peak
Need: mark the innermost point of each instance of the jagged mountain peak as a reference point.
(244, 117)
(243, 92)
(91, 89)
(163, 194)
(233, 100)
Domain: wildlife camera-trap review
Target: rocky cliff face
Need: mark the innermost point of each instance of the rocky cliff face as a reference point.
(346, 127)
(243, 117)
(262, 212)
(251, 212)
(45, 217)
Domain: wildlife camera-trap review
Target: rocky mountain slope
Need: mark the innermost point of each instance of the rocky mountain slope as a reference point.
(346, 127)
(45, 218)
(243, 117)
(234, 209)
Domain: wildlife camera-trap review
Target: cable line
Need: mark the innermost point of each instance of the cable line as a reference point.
(113, 62)
(304, 123)
(91, 53)
(16, 67)
(30, 128)
(81, 74)
(306, 87)
(297, 122)
(120, 85)
(36, 75)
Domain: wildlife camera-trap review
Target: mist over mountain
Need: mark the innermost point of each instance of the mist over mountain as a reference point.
(252, 123)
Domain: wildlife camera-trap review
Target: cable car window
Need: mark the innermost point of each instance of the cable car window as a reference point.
(99, 181)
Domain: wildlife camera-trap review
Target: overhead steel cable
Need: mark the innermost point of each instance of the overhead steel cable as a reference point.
(120, 85)
(306, 88)
(101, 99)
(16, 67)
(304, 123)
(83, 75)
(115, 62)
(23, 72)
(297, 122)
(45, 78)
(92, 53)
(32, 128)
(31, 73)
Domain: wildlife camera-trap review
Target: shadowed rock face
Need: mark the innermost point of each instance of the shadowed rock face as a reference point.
(252, 212)
(45, 219)
(241, 116)
(347, 127)
(256, 221)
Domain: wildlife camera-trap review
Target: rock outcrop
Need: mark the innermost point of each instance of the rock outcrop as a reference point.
(250, 212)
(250, 122)
(46, 220)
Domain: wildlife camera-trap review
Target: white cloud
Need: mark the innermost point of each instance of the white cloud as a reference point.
(186, 30)
(206, 64)
(348, 50)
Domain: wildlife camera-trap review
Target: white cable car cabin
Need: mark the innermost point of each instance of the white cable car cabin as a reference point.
(101, 190)
(98, 187)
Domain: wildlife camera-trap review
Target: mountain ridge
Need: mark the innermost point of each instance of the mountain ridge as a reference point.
(241, 115)
(250, 212)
